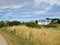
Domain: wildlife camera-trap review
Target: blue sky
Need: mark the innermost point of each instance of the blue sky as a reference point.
(29, 10)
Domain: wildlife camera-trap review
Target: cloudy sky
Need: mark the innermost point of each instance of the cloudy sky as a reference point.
(27, 10)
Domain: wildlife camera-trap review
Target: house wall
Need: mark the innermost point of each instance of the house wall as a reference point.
(43, 23)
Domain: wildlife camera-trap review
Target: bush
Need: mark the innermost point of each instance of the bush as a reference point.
(50, 25)
(2, 24)
(29, 24)
(13, 23)
(32, 24)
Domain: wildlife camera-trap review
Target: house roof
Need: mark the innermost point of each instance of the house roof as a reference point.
(44, 20)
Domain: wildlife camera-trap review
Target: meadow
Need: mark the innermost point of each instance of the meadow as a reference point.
(24, 35)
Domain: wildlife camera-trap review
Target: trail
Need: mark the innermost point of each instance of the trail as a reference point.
(2, 40)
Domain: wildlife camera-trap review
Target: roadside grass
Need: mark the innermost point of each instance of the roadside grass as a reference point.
(7, 37)
(22, 35)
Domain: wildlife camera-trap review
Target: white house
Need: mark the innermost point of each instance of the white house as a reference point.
(44, 22)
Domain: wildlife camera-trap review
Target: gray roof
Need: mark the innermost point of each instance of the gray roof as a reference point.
(44, 20)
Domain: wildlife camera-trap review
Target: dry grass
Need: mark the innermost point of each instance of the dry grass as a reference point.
(7, 37)
(32, 36)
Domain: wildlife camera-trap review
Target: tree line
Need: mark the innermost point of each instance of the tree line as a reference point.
(29, 24)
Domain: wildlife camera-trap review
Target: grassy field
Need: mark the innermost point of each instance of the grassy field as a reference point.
(23, 35)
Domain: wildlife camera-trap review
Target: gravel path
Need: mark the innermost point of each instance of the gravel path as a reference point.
(2, 40)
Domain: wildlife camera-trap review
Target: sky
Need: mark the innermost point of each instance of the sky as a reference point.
(29, 10)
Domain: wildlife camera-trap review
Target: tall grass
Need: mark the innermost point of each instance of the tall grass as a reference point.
(22, 35)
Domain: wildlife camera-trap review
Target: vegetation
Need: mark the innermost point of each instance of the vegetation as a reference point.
(30, 33)
(29, 24)
(32, 24)
(22, 35)
(3, 24)
(58, 20)
(13, 23)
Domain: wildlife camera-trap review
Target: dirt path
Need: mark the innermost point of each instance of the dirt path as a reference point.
(2, 40)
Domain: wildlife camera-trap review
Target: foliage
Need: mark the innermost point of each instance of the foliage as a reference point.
(50, 26)
(2, 24)
(58, 20)
(13, 23)
(32, 24)
(29, 24)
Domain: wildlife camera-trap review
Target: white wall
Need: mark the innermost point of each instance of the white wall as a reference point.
(43, 23)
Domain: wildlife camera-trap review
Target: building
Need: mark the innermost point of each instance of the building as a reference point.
(44, 22)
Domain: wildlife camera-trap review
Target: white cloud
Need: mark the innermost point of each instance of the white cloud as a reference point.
(33, 12)
(52, 2)
(13, 6)
(35, 7)
(45, 5)
(54, 13)
(39, 12)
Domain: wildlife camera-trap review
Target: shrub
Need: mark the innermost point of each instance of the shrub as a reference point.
(50, 25)
(32, 24)
(13, 23)
(2, 24)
